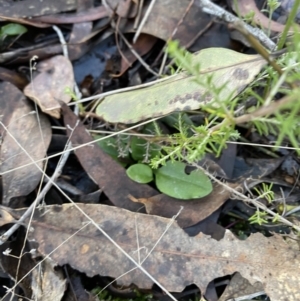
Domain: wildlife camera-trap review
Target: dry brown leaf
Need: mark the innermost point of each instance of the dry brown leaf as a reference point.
(176, 261)
(49, 86)
(16, 78)
(240, 286)
(22, 123)
(173, 19)
(21, 9)
(193, 211)
(15, 265)
(47, 284)
(6, 218)
(123, 8)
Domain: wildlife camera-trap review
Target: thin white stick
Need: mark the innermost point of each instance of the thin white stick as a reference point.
(62, 41)
(138, 57)
(144, 20)
(137, 239)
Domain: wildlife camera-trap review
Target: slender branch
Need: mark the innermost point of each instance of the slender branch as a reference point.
(215, 10)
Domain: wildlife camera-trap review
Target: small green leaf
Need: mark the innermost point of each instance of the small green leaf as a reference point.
(140, 173)
(172, 180)
(12, 29)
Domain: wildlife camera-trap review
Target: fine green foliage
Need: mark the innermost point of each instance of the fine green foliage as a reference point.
(288, 24)
(142, 150)
(261, 217)
(220, 121)
(140, 173)
(172, 180)
(258, 218)
(116, 147)
(272, 6)
(191, 148)
(266, 192)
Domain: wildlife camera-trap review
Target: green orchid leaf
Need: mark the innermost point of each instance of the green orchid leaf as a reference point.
(140, 173)
(12, 29)
(172, 180)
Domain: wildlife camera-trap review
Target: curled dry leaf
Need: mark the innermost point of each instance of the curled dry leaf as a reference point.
(33, 136)
(49, 86)
(181, 92)
(175, 260)
(6, 218)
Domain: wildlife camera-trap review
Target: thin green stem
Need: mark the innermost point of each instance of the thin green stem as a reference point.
(288, 24)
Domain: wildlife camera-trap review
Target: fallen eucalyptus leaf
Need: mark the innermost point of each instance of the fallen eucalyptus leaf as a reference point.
(49, 85)
(176, 261)
(227, 68)
(33, 135)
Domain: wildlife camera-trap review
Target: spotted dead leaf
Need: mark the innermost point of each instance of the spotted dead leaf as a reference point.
(49, 86)
(228, 69)
(175, 260)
